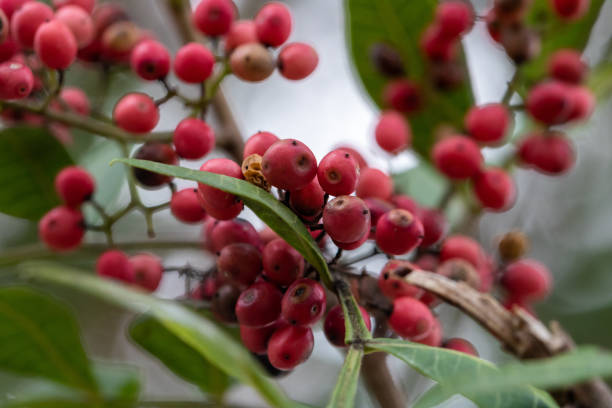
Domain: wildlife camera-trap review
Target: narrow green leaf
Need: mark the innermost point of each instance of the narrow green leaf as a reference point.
(356, 328)
(346, 387)
(203, 336)
(29, 160)
(571, 368)
(178, 356)
(441, 365)
(274, 213)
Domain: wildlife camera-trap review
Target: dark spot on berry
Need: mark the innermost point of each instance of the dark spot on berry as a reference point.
(314, 310)
(299, 291)
(294, 143)
(276, 267)
(364, 212)
(386, 275)
(287, 356)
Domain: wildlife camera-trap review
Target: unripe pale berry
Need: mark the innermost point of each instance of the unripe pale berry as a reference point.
(411, 319)
(223, 233)
(461, 345)
(241, 32)
(297, 60)
(571, 9)
(55, 45)
(494, 189)
(218, 203)
(186, 207)
(290, 346)
(374, 183)
(455, 18)
(398, 232)
(527, 279)
(148, 271)
(335, 326)
(549, 103)
(214, 17)
(79, 22)
(356, 155)
(193, 63)
(259, 305)
(193, 138)
(402, 95)
(304, 302)
(434, 226)
(136, 113)
(338, 173)
(119, 39)
(157, 152)
(116, 265)
(462, 247)
(16, 80)
(240, 262)
(282, 263)
(259, 143)
(391, 279)
(255, 339)
(346, 219)
(61, 229)
(567, 65)
(150, 60)
(393, 133)
(74, 185)
(252, 62)
(457, 157)
(308, 201)
(224, 302)
(550, 152)
(583, 102)
(436, 46)
(488, 124)
(75, 99)
(87, 5)
(273, 24)
(289, 164)
(26, 21)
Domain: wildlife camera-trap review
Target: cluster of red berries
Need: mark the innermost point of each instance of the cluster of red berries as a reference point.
(142, 270)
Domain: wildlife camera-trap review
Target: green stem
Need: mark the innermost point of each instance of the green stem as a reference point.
(511, 89)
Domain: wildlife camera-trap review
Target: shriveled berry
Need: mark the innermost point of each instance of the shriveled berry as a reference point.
(241, 32)
(338, 173)
(393, 133)
(61, 229)
(281, 262)
(434, 226)
(136, 113)
(119, 39)
(374, 183)
(297, 60)
(289, 164)
(308, 201)
(549, 152)
(147, 271)
(567, 65)
(436, 46)
(550, 103)
(583, 102)
(240, 262)
(457, 157)
(223, 233)
(26, 21)
(495, 189)
(193, 138)
(273, 24)
(150, 60)
(447, 75)
(513, 245)
(218, 203)
(488, 123)
(252, 62)
(398, 232)
(527, 279)
(461, 345)
(571, 9)
(259, 143)
(116, 265)
(79, 22)
(74, 185)
(411, 319)
(224, 303)
(387, 60)
(214, 17)
(55, 45)
(259, 305)
(391, 279)
(186, 207)
(75, 99)
(346, 219)
(402, 95)
(511, 11)
(16, 80)
(460, 270)
(290, 346)
(455, 18)
(335, 326)
(521, 42)
(304, 302)
(255, 339)
(157, 152)
(193, 63)
(462, 247)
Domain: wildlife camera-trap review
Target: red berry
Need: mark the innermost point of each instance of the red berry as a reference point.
(79, 22)
(335, 326)
(550, 103)
(308, 201)
(411, 319)
(259, 305)
(511, 303)
(241, 32)
(240, 262)
(571, 9)
(461, 345)
(377, 208)
(87, 5)
(282, 263)
(356, 155)
(550, 153)
(116, 265)
(267, 234)
(259, 143)
(493, 25)
(75, 99)
(224, 302)
(16, 80)
(193, 139)
(304, 302)
(455, 18)
(157, 152)
(55, 45)
(495, 189)
(434, 338)
(8, 49)
(567, 65)
(61, 229)
(583, 102)
(185, 206)
(391, 282)
(252, 62)
(273, 24)
(374, 183)
(219, 234)
(338, 173)
(402, 95)
(193, 63)
(289, 164)
(136, 113)
(393, 133)
(406, 203)
(27, 19)
(148, 271)
(9, 7)
(74, 185)
(462, 247)
(218, 203)
(349, 246)
(488, 123)
(436, 46)
(346, 219)
(150, 60)
(457, 157)
(290, 346)
(398, 232)
(255, 339)
(434, 226)
(297, 61)
(214, 17)
(527, 279)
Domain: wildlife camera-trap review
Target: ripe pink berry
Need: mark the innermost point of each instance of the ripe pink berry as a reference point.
(273, 24)
(393, 133)
(374, 183)
(411, 319)
(583, 102)
(240, 262)
(349, 246)
(16, 80)
(297, 60)
(74, 185)
(259, 305)
(510, 303)
(377, 208)
(259, 143)
(571, 9)
(308, 201)
(548, 152)
(434, 226)
(218, 203)
(9, 7)
(219, 234)
(8, 49)
(406, 203)
(252, 62)
(398, 232)
(241, 32)
(255, 339)
(79, 22)
(356, 155)
(193, 139)
(461, 345)
(495, 189)
(338, 173)
(136, 113)
(391, 282)
(455, 18)
(527, 279)
(61, 229)
(457, 157)
(290, 346)
(567, 65)
(549, 103)
(304, 302)
(157, 152)
(289, 164)
(87, 5)
(150, 60)
(185, 206)
(116, 265)
(75, 99)
(346, 219)
(282, 263)
(436, 46)
(26, 20)
(402, 95)
(488, 124)
(335, 327)
(148, 271)
(267, 234)
(193, 63)
(55, 45)
(462, 247)
(434, 338)
(214, 17)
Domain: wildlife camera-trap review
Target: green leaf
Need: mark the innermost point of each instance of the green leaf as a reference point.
(29, 160)
(271, 211)
(178, 356)
(346, 387)
(117, 382)
(441, 365)
(571, 368)
(423, 183)
(400, 24)
(203, 336)
(40, 338)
